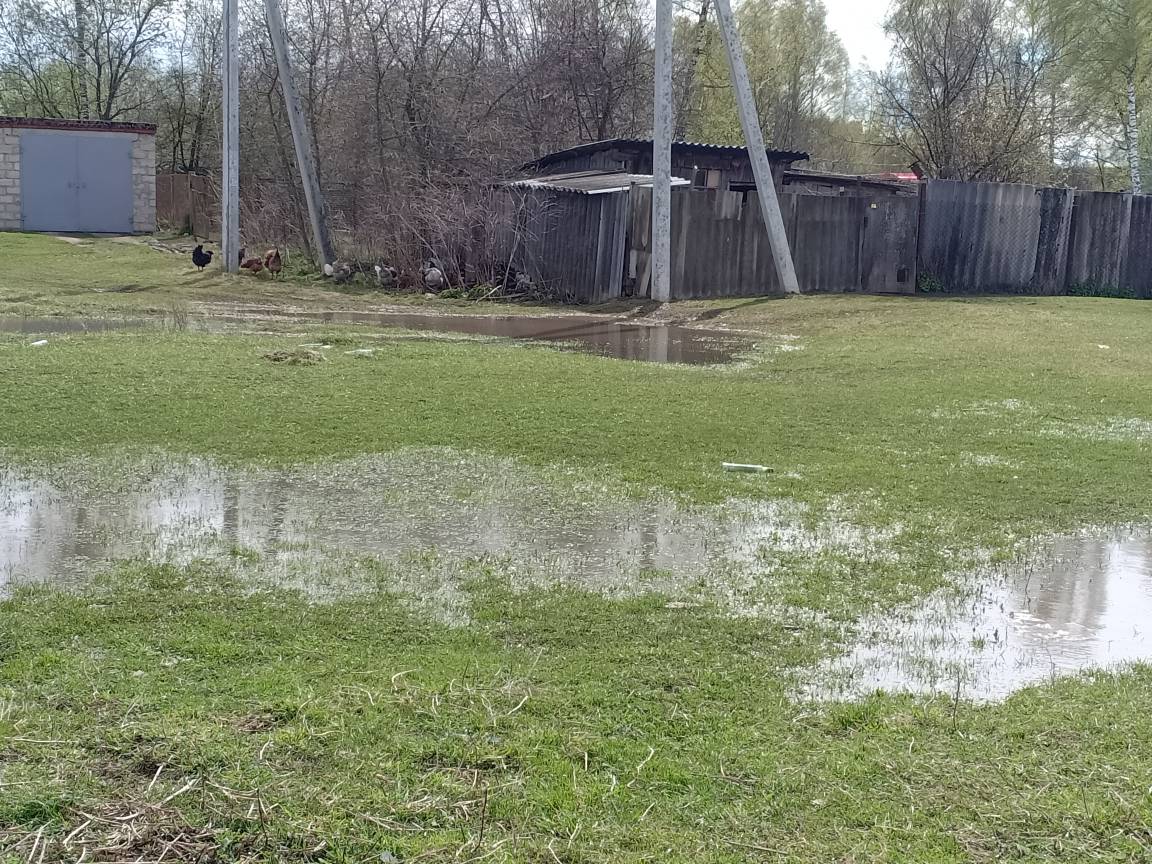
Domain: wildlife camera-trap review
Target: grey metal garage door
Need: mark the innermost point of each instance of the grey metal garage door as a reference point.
(75, 182)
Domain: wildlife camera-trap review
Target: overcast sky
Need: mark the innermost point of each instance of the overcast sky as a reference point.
(859, 24)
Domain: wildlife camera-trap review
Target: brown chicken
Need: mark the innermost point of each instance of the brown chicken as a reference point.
(273, 262)
(255, 265)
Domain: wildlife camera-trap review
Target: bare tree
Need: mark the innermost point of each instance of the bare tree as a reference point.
(71, 58)
(962, 95)
(188, 92)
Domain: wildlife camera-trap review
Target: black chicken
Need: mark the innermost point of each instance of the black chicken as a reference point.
(201, 257)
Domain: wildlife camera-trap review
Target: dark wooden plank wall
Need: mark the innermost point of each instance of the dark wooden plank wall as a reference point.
(188, 203)
(972, 237)
(1008, 237)
(715, 250)
(720, 246)
(979, 236)
(825, 241)
(1050, 274)
(1138, 261)
(888, 245)
(571, 244)
(1099, 238)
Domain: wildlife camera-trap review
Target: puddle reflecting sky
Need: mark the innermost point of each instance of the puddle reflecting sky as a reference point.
(1076, 602)
(62, 524)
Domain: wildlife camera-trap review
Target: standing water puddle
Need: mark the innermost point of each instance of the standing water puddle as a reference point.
(424, 512)
(584, 333)
(1078, 602)
(422, 523)
(42, 326)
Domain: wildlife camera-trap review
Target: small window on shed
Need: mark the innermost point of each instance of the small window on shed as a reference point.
(713, 179)
(699, 178)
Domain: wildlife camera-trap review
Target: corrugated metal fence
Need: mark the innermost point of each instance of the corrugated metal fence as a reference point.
(1014, 238)
(720, 246)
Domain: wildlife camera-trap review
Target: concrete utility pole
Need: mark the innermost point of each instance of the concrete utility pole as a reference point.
(662, 157)
(230, 194)
(757, 153)
(299, 126)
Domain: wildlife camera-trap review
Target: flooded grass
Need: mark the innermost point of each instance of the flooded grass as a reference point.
(1067, 605)
(443, 600)
(649, 343)
(421, 523)
(321, 527)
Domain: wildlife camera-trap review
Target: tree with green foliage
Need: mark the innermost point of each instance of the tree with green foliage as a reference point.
(1109, 68)
(798, 68)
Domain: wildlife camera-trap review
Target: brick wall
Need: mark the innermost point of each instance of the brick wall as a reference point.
(9, 180)
(144, 184)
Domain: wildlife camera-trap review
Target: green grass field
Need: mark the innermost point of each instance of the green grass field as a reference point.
(177, 712)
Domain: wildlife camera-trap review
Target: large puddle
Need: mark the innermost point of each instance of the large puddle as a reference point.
(426, 523)
(47, 325)
(429, 515)
(1074, 602)
(584, 333)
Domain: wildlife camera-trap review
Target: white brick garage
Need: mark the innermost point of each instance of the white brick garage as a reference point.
(83, 176)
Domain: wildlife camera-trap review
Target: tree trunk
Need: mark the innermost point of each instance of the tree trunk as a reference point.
(1132, 137)
(684, 110)
(81, 61)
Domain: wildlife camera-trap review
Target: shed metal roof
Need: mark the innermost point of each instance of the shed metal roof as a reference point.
(590, 182)
(685, 147)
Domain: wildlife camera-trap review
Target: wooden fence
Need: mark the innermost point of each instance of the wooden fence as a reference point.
(571, 244)
(1015, 238)
(943, 236)
(188, 203)
(720, 246)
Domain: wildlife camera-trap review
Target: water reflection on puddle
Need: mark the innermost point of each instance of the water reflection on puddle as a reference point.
(587, 334)
(1076, 602)
(423, 522)
(423, 510)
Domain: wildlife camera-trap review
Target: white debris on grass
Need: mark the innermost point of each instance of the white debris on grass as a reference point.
(1109, 430)
(987, 460)
(984, 408)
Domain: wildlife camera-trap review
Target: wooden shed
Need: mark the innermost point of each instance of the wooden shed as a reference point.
(571, 230)
(83, 176)
(705, 166)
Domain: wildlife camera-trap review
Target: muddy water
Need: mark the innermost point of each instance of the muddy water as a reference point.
(421, 513)
(584, 333)
(1076, 602)
(44, 326)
